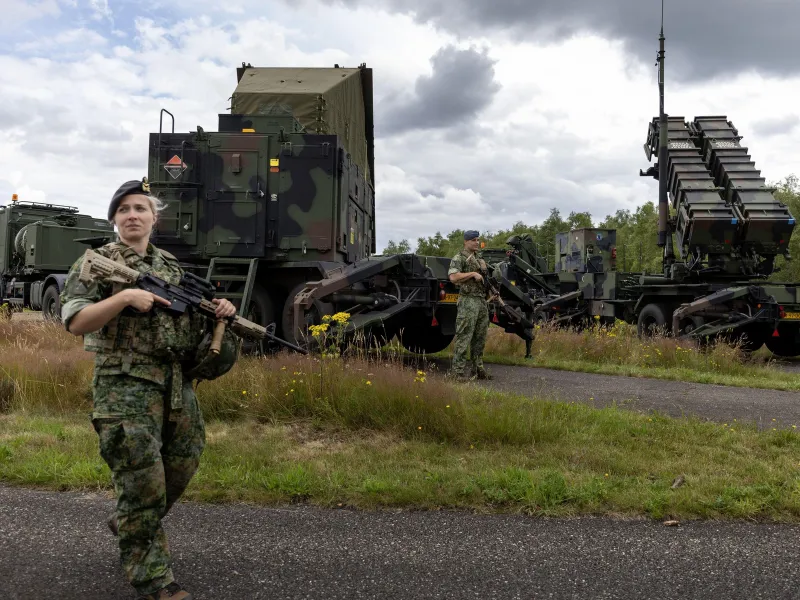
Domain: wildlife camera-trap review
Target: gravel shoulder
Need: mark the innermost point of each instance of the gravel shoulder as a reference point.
(56, 545)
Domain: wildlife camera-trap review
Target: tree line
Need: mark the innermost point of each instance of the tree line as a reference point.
(637, 232)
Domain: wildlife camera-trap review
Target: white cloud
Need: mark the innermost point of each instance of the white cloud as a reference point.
(73, 42)
(17, 12)
(565, 129)
(101, 9)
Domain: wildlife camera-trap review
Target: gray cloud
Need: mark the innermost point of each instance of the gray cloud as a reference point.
(21, 112)
(461, 85)
(520, 185)
(102, 132)
(704, 39)
(776, 125)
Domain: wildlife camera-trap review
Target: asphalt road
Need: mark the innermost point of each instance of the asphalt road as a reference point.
(56, 545)
(675, 398)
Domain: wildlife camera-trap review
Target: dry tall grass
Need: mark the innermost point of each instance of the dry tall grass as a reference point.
(620, 345)
(42, 368)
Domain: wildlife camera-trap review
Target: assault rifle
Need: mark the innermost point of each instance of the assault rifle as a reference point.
(192, 293)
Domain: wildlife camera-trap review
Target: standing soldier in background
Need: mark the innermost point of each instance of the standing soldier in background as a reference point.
(145, 412)
(468, 271)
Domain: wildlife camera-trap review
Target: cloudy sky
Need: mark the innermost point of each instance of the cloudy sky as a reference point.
(487, 111)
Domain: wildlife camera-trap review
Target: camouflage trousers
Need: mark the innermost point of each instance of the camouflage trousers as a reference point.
(153, 456)
(472, 323)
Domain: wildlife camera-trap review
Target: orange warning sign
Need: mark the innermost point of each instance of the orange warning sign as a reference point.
(175, 166)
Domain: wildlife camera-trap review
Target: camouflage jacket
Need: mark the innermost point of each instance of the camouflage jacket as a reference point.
(142, 345)
(466, 262)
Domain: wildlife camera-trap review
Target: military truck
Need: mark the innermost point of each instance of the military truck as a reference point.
(39, 242)
(727, 225)
(277, 208)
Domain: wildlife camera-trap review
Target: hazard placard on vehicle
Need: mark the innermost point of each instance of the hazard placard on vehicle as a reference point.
(175, 166)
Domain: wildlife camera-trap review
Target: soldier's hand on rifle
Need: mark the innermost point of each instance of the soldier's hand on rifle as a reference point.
(142, 300)
(224, 308)
(477, 277)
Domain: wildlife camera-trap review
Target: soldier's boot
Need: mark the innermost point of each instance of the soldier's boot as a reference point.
(482, 373)
(172, 592)
(112, 524)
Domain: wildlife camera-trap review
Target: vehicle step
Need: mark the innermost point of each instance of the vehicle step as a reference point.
(228, 277)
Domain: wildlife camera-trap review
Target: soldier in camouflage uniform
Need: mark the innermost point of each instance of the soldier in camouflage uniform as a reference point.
(468, 271)
(145, 413)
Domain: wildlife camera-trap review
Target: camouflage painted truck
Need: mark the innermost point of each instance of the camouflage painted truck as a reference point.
(38, 244)
(728, 228)
(277, 208)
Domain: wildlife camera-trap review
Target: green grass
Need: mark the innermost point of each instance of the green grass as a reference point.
(576, 460)
(372, 433)
(619, 351)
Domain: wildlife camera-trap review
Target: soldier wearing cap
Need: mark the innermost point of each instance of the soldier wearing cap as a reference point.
(145, 412)
(468, 271)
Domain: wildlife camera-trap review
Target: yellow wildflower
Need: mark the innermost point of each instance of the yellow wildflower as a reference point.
(341, 317)
(317, 330)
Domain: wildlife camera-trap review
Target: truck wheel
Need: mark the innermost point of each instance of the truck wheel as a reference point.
(783, 346)
(652, 320)
(260, 311)
(51, 304)
(689, 324)
(750, 339)
(378, 336)
(423, 339)
(313, 316)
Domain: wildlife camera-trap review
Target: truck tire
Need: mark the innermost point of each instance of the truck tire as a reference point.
(51, 304)
(783, 346)
(421, 338)
(653, 319)
(260, 311)
(377, 336)
(751, 338)
(317, 311)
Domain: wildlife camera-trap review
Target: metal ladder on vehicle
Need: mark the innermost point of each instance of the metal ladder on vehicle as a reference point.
(232, 271)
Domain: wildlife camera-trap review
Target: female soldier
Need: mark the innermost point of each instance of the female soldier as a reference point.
(150, 429)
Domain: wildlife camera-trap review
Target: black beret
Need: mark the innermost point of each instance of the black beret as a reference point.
(471, 234)
(129, 187)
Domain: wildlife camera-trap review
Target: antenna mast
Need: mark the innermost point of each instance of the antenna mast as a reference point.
(664, 234)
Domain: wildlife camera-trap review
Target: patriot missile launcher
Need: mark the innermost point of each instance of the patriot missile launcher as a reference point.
(726, 225)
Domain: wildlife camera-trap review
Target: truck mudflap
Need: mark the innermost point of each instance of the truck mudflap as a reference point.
(766, 310)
